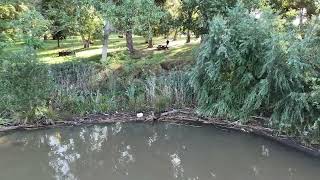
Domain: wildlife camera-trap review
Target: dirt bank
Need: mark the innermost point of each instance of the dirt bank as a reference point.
(185, 116)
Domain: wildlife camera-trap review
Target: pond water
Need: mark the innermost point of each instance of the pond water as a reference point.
(149, 152)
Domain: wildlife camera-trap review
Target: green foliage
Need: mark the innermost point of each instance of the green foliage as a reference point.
(252, 66)
(24, 86)
(167, 23)
(32, 26)
(88, 20)
(124, 15)
(8, 14)
(189, 14)
(285, 6)
(149, 17)
(209, 8)
(62, 19)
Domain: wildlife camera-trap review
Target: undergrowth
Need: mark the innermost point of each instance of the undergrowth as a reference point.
(31, 91)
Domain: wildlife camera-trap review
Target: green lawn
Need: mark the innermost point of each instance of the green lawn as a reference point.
(179, 53)
(49, 52)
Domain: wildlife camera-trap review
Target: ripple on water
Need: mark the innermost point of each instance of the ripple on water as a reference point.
(148, 152)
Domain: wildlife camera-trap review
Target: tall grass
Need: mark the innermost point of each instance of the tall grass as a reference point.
(31, 91)
(84, 94)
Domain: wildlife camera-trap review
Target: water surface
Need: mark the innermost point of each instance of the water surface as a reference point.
(149, 152)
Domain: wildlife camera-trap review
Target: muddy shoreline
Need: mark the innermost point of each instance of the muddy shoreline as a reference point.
(185, 116)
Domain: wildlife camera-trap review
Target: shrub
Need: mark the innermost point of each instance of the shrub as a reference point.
(251, 66)
(24, 86)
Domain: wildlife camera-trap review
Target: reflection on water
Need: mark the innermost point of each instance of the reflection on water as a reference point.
(147, 152)
(265, 151)
(177, 166)
(123, 159)
(61, 156)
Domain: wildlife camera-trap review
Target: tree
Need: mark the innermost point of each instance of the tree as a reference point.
(285, 6)
(125, 18)
(173, 8)
(9, 13)
(165, 25)
(149, 16)
(305, 8)
(107, 11)
(31, 27)
(107, 28)
(88, 20)
(61, 18)
(188, 16)
(250, 66)
(210, 8)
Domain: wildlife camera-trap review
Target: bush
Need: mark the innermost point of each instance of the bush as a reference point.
(251, 66)
(24, 86)
(30, 90)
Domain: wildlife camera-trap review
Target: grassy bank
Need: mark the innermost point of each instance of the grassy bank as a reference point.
(41, 85)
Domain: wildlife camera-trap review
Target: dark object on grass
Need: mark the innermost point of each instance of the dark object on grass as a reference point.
(168, 43)
(120, 36)
(162, 47)
(66, 53)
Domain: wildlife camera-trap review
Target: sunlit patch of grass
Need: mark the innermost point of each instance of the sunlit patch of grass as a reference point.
(118, 57)
(115, 66)
(183, 53)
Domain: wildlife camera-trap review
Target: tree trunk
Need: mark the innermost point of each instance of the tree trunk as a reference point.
(58, 40)
(301, 18)
(150, 43)
(86, 44)
(106, 32)
(175, 35)
(129, 41)
(188, 36)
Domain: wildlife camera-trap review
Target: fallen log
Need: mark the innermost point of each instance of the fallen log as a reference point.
(184, 117)
(66, 53)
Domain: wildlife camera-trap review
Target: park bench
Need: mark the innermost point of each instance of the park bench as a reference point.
(66, 53)
(162, 47)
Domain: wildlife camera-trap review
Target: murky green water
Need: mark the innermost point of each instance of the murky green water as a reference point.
(146, 152)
